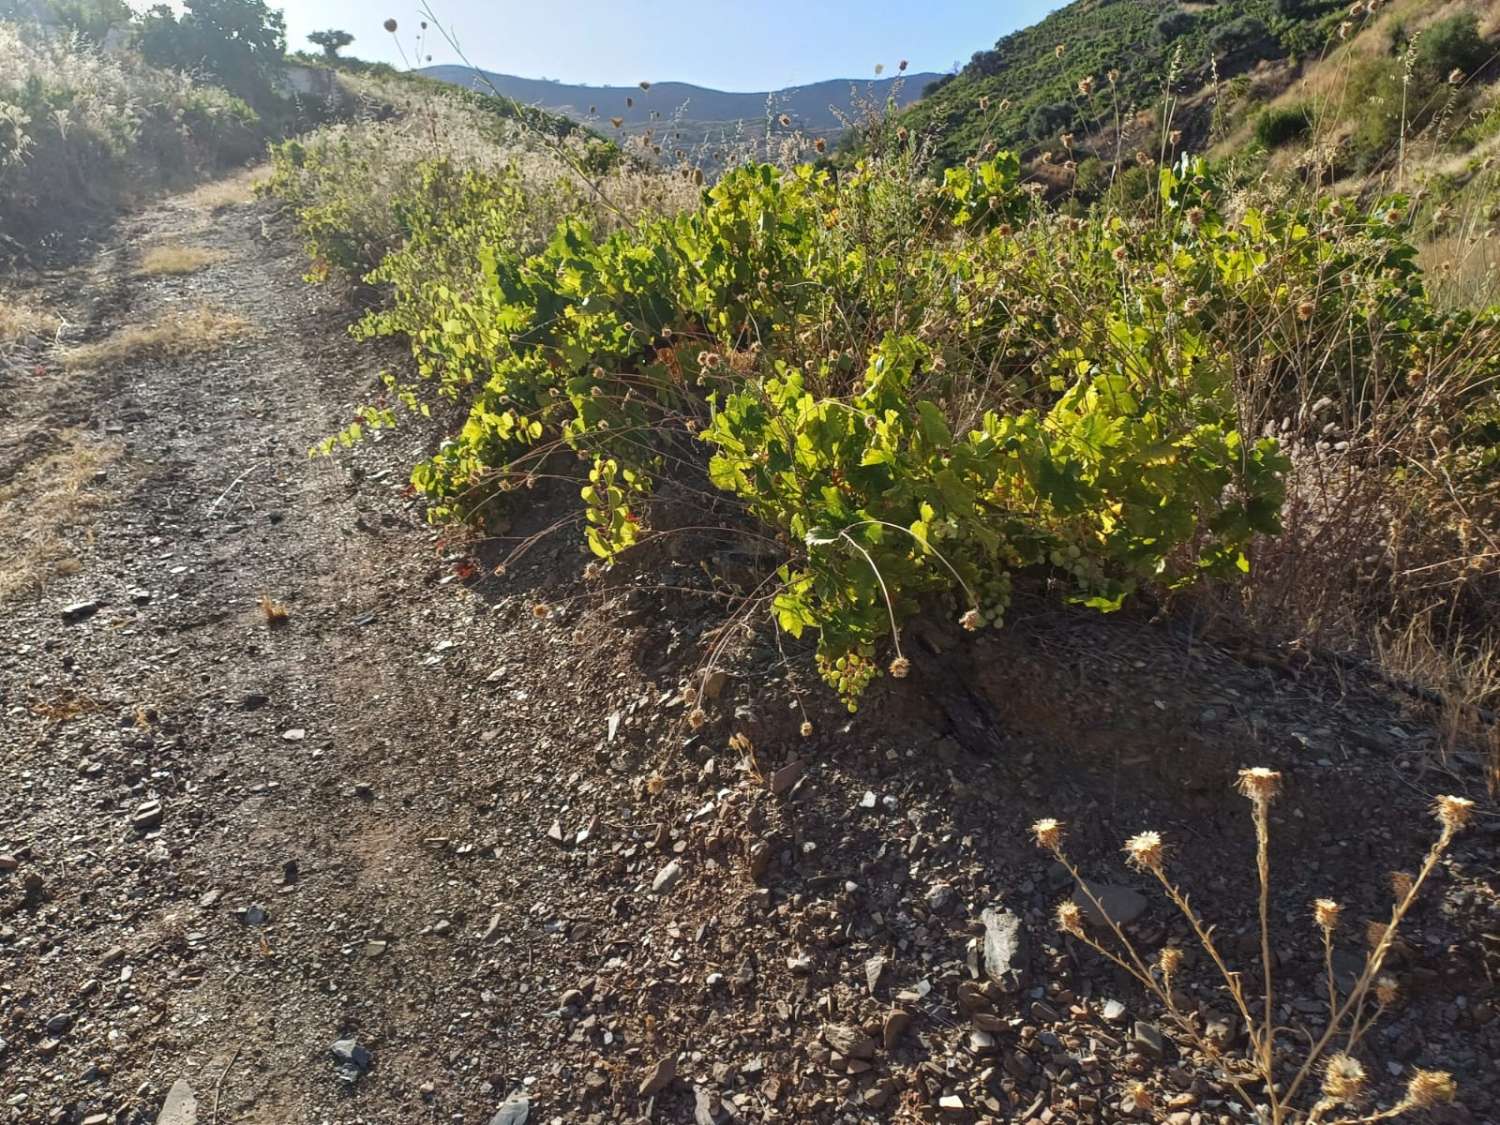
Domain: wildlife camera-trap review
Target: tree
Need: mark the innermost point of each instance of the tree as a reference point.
(332, 41)
(240, 43)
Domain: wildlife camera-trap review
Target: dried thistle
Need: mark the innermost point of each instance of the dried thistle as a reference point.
(1401, 884)
(275, 613)
(900, 667)
(970, 621)
(1260, 784)
(1344, 1078)
(1169, 960)
(1326, 913)
(1070, 918)
(807, 729)
(1387, 990)
(1048, 833)
(1145, 851)
(1453, 813)
(390, 25)
(1428, 1088)
(696, 718)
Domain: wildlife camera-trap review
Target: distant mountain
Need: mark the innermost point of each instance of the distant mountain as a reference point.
(686, 115)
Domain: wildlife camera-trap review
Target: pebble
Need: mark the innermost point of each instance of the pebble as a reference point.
(1005, 954)
(79, 611)
(1114, 1011)
(1148, 1038)
(352, 1059)
(667, 878)
(660, 1078)
(147, 816)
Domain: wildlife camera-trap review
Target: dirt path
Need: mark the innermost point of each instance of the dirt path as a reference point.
(481, 842)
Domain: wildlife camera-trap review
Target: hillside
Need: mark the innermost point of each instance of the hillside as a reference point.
(1026, 91)
(697, 113)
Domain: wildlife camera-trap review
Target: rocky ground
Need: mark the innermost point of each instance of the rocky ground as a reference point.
(439, 844)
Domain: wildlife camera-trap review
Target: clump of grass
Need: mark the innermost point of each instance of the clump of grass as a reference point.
(198, 331)
(218, 195)
(1259, 1074)
(21, 321)
(42, 507)
(277, 615)
(174, 260)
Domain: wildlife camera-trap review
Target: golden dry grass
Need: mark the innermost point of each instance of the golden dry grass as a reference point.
(20, 320)
(46, 507)
(197, 331)
(175, 259)
(231, 191)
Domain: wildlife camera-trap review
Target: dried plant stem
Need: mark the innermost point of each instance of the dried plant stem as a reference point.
(1204, 934)
(1262, 810)
(1333, 994)
(1355, 1000)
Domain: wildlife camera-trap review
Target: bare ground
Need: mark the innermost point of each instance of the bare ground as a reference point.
(427, 811)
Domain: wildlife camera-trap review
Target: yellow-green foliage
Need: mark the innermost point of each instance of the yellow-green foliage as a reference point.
(923, 389)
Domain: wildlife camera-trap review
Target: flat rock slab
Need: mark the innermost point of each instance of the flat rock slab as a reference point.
(514, 1111)
(181, 1106)
(1004, 948)
(1122, 904)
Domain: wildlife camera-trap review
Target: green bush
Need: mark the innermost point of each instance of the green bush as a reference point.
(917, 421)
(1279, 126)
(1451, 44)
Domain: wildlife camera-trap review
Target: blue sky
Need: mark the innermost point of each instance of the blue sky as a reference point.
(752, 45)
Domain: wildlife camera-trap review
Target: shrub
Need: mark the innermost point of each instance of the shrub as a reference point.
(1242, 33)
(1451, 44)
(1048, 121)
(1092, 402)
(1174, 25)
(82, 132)
(1279, 126)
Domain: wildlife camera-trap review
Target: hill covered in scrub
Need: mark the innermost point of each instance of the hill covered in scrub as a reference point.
(691, 116)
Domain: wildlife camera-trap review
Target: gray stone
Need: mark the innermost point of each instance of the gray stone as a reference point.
(667, 878)
(942, 899)
(849, 1041)
(147, 816)
(1114, 1011)
(1121, 904)
(352, 1059)
(79, 611)
(59, 1024)
(660, 1078)
(1148, 1039)
(707, 1106)
(181, 1106)
(1005, 954)
(513, 1111)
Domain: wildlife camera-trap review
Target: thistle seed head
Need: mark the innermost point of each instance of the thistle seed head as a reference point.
(390, 25)
(1260, 784)
(1326, 914)
(1375, 933)
(1386, 989)
(807, 729)
(1145, 851)
(697, 718)
(1344, 1078)
(970, 621)
(900, 667)
(1430, 1087)
(1169, 961)
(1047, 833)
(1453, 813)
(1070, 918)
(540, 610)
(1401, 884)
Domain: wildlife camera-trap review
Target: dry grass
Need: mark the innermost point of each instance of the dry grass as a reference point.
(198, 331)
(45, 506)
(1461, 679)
(216, 195)
(174, 260)
(20, 321)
